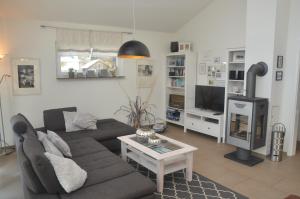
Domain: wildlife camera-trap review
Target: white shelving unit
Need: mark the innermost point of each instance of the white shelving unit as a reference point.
(203, 121)
(181, 82)
(236, 86)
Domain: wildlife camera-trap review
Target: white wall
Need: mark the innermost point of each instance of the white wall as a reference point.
(99, 97)
(265, 40)
(221, 25)
(289, 115)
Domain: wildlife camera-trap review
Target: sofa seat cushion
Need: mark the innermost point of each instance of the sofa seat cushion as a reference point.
(131, 186)
(107, 129)
(84, 146)
(103, 166)
(97, 160)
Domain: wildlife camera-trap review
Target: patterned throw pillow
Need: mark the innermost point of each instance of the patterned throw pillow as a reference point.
(69, 118)
(59, 143)
(85, 121)
(70, 176)
(48, 145)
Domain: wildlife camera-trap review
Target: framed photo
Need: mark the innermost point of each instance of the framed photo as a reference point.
(26, 76)
(217, 60)
(184, 46)
(279, 75)
(201, 68)
(279, 61)
(145, 74)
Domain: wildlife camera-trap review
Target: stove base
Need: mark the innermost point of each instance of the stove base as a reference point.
(250, 161)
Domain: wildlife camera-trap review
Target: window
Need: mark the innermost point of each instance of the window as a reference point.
(87, 54)
(87, 64)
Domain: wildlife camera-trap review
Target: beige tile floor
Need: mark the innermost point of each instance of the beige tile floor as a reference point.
(268, 180)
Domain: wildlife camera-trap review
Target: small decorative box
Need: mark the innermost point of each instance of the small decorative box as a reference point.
(153, 139)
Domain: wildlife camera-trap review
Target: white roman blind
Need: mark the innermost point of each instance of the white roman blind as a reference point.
(85, 40)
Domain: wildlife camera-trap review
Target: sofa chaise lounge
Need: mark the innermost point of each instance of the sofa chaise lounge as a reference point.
(109, 177)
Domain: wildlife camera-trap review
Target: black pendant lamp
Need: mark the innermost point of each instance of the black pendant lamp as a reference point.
(133, 49)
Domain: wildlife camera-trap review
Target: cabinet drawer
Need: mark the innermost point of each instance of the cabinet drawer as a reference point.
(193, 124)
(210, 129)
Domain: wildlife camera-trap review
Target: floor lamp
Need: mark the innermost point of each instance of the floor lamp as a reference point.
(4, 147)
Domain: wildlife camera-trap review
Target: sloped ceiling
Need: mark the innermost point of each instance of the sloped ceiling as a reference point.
(156, 15)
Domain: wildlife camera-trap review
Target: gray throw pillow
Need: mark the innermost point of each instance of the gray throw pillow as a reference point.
(48, 145)
(70, 176)
(69, 118)
(59, 143)
(85, 121)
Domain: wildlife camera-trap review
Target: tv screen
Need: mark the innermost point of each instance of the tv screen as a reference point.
(210, 97)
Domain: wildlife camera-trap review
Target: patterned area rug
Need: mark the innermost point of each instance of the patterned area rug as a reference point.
(175, 186)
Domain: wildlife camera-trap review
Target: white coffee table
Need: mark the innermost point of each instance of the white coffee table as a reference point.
(174, 157)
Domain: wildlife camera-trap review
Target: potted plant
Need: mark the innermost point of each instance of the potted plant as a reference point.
(138, 113)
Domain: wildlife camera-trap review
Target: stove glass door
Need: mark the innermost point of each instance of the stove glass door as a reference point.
(239, 123)
(239, 126)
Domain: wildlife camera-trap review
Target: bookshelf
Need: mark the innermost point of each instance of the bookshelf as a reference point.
(180, 80)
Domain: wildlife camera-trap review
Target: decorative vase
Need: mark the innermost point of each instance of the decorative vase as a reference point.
(71, 73)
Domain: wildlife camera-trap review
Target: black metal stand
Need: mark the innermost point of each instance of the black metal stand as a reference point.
(243, 156)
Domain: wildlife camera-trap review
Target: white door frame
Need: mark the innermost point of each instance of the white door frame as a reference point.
(292, 142)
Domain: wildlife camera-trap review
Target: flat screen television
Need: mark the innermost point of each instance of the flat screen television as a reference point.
(210, 97)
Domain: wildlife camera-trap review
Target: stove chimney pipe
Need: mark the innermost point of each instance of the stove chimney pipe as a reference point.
(259, 69)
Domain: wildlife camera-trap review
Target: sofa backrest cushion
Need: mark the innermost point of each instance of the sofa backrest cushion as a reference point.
(34, 151)
(54, 119)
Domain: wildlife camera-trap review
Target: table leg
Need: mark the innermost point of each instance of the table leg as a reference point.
(219, 139)
(160, 176)
(124, 151)
(189, 166)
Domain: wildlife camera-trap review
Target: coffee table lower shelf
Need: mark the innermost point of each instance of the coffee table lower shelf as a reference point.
(160, 167)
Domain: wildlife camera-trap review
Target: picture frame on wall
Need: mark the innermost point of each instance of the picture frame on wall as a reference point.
(217, 60)
(26, 76)
(201, 68)
(279, 61)
(279, 75)
(145, 74)
(184, 46)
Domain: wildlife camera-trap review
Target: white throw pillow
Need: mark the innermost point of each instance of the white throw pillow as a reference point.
(70, 176)
(59, 143)
(69, 118)
(85, 121)
(48, 145)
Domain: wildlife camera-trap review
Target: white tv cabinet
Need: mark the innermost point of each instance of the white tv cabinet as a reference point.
(205, 121)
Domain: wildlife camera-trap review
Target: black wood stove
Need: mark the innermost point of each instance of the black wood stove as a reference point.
(246, 124)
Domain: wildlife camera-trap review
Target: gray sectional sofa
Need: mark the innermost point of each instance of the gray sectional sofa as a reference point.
(108, 176)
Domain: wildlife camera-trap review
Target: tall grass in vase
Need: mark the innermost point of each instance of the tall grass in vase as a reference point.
(139, 113)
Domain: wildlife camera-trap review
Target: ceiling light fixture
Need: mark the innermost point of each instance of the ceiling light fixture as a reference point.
(133, 49)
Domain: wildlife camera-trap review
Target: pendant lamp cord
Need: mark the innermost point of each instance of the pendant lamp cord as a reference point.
(133, 16)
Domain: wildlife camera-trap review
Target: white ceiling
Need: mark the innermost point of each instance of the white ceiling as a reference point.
(157, 15)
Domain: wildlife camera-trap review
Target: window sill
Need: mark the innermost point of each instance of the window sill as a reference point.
(89, 78)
